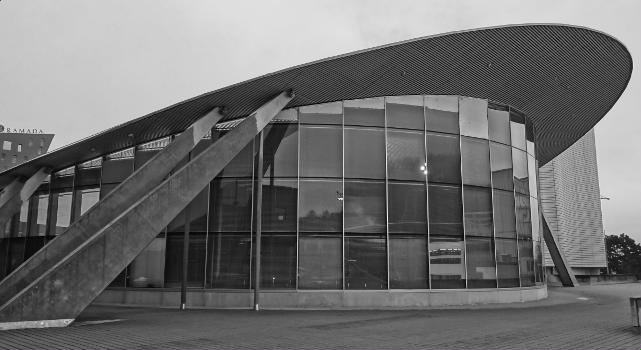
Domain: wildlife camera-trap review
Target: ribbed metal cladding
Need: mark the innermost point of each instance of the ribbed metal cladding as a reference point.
(564, 78)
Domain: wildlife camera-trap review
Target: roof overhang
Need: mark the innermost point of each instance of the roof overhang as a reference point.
(565, 78)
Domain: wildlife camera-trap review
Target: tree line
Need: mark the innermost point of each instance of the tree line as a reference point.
(624, 254)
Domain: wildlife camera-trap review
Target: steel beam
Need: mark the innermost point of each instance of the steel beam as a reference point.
(107, 209)
(17, 192)
(75, 281)
(558, 257)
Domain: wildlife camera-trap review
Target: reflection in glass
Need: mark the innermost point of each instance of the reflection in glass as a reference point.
(523, 220)
(408, 262)
(521, 180)
(278, 261)
(321, 151)
(406, 155)
(407, 208)
(499, 125)
(88, 176)
(481, 271)
(405, 112)
(231, 205)
(507, 263)
(365, 207)
(504, 219)
(321, 206)
(446, 210)
(534, 207)
(279, 205)
(241, 165)
(320, 263)
(517, 130)
(526, 262)
(447, 262)
(443, 158)
(143, 157)
(85, 199)
(38, 215)
(501, 166)
(22, 218)
(473, 117)
(364, 112)
(61, 206)
(116, 170)
(365, 263)
(326, 113)
(364, 153)
(280, 153)
(531, 166)
(478, 212)
(475, 156)
(229, 263)
(441, 113)
(147, 269)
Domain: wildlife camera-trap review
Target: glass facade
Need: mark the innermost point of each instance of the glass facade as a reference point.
(399, 192)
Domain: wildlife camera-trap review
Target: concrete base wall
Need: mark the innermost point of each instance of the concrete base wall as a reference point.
(314, 299)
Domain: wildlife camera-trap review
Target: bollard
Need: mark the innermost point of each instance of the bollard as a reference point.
(635, 310)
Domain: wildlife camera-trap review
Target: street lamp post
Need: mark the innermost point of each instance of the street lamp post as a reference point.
(607, 263)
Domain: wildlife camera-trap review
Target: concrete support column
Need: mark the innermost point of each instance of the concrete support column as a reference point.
(17, 192)
(565, 271)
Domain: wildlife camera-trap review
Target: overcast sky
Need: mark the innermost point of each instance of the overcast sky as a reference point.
(77, 67)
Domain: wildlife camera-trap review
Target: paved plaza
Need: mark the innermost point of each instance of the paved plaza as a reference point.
(587, 317)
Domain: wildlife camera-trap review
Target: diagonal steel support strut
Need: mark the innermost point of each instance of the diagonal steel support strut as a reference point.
(558, 257)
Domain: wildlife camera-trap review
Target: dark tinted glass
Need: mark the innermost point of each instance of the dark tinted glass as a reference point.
(523, 219)
(405, 112)
(441, 113)
(60, 212)
(229, 265)
(526, 262)
(280, 153)
(321, 151)
(241, 165)
(504, 220)
(321, 206)
(499, 125)
(447, 262)
(478, 211)
(507, 263)
(365, 207)
(365, 263)
(365, 112)
(38, 214)
(279, 205)
(473, 117)
(62, 182)
(320, 263)
(148, 268)
(481, 271)
(327, 113)
(517, 130)
(501, 166)
(364, 153)
(88, 177)
(446, 210)
(406, 155)
(143, 157)
(231, 205)
(519, 163)
(408, 262)
(407, 208)
(198, 212)
(475, 155)
(278, 261)
(116, 170)
(443, 158)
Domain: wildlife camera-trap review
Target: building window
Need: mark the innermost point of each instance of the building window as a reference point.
(19, 147)
(6, 146)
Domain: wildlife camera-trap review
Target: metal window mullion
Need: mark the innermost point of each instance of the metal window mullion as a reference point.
(516, 223)
(460, 137)
(427, 197)
(344, 196)
(297, 197)
(496, 261)
(386, 182)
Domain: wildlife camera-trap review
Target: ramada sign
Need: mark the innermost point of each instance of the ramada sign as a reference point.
(20, 131)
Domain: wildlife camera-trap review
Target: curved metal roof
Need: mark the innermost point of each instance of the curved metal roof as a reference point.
(565, 78)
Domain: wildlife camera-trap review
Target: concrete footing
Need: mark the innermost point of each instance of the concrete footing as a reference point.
(635, 311)
(5, 326)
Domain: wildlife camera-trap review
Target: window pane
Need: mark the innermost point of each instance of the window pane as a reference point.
(407, 208)
(280, 155)
(517, 130)
(85, 199)
(478, 211)
(406, 155)
(504, 220)
(364, 153)
(174, 258)
(408, 263)
(22, 218)
(519, 162)
(499, 125)
(38, 215)
(446, 210)
(63, 182)
(365, 207)
(321, 151)
(327, 113)
(143, 157)
(229, 266)
(321, 206)
(523, 220)
(364, 112)
(507, 263)
(61, 211)
(447, 262)
(534, 207)
(116, 170)
(441, 113)
(320, 263)
(473, 117)
(279, 205)
(443, 158)
(231, 203)
(475, 155)
(241, 165)
(405, 112)
(526, 260)
(481, 271)
(365, 263)
(501, 166)
(148, 268)
(198, 212)
(531, 166)
(88, 176)
(278, 261)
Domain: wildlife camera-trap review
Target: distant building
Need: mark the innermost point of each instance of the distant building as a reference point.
(570, 197)
(21, 145)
